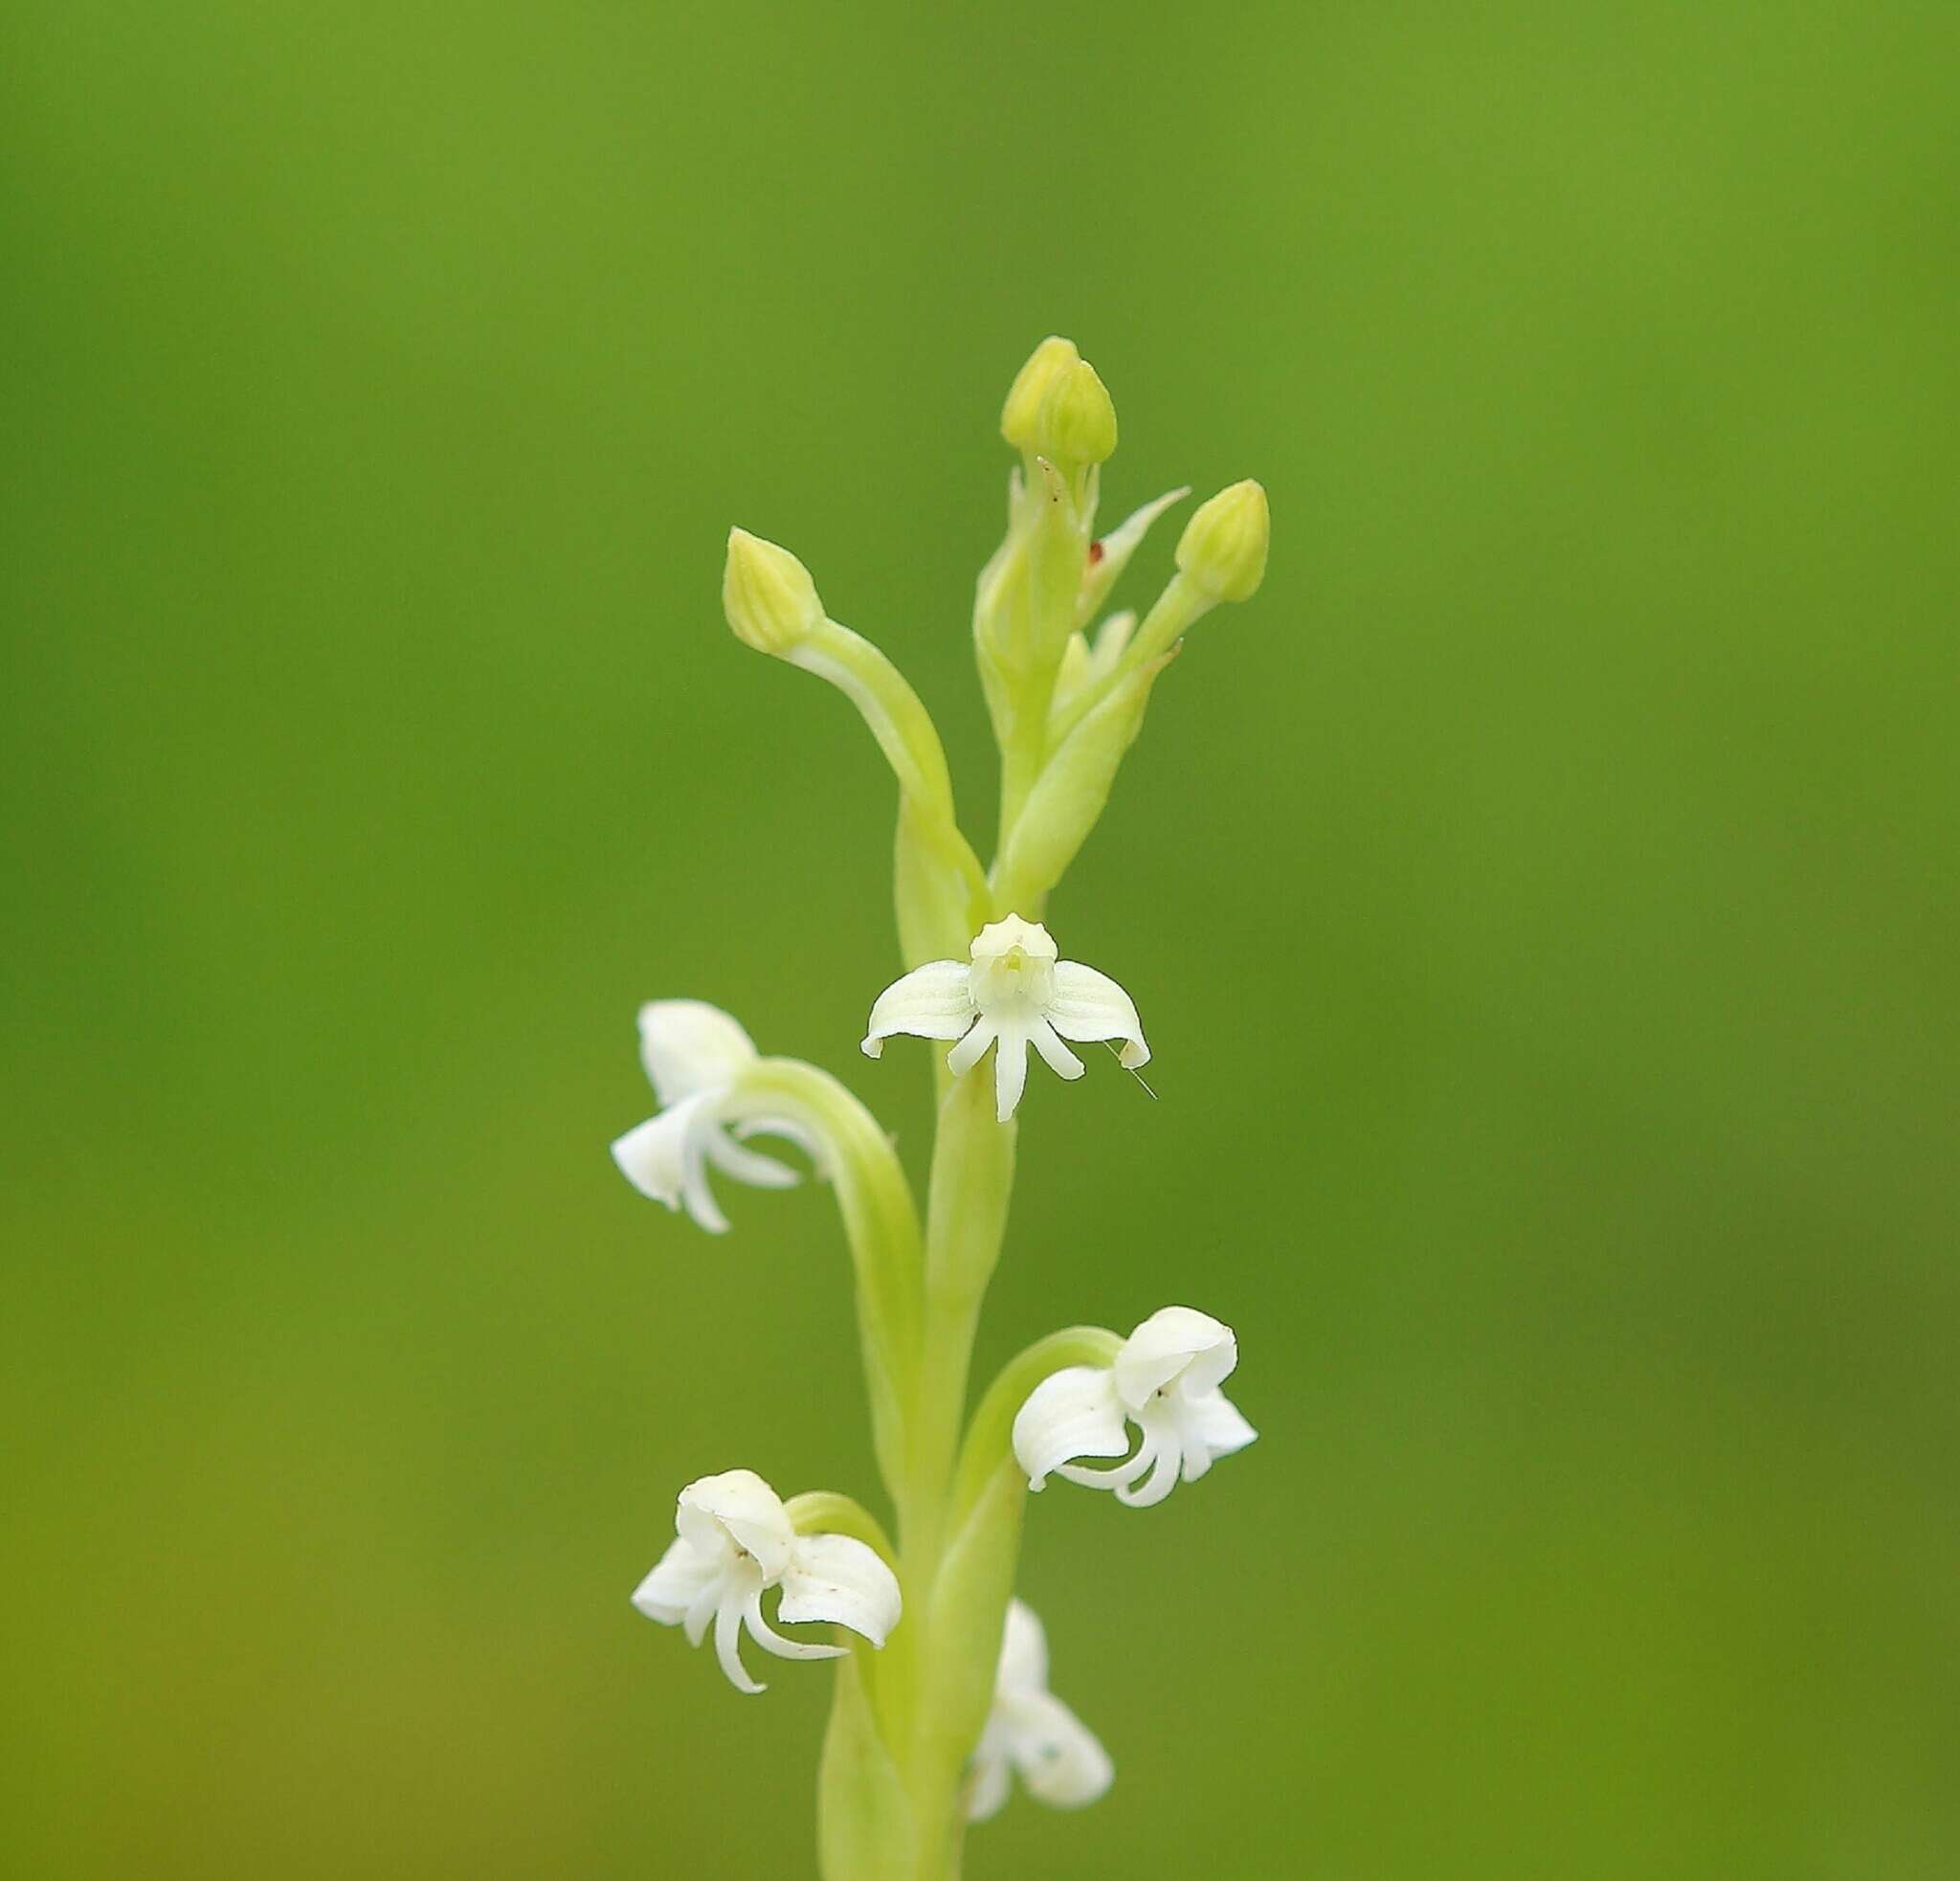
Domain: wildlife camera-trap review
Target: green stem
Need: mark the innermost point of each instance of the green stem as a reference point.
(971, 1183)
(1025, 752)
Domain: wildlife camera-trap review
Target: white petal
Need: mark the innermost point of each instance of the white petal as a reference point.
(1211, 1426)
(1013, 969)
(702, 1207)
(1163, 1444)
(1176, 1345)
(1010, 1070)
(1121, 1477)
(987, 1785)
(838, 1578)
(1023, 1652)
(1000, 938)
(929, 1002)
(688, 1046)
(652, 1155)
(1073, 1413)
(1058, 1756)
(665, 1157)
(729, 1628)
(676, 1583)
(1088, 1005)
(769, 1639)
(1055, 1055)
(750, 1166)
(695, 1622)
(736, 1510)
(970, 1050)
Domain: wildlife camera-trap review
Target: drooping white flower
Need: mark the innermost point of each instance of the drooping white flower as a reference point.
(1032, 1730)
(733, 1541)
(1016, 992)
(695, 1053)
(1166, 1382)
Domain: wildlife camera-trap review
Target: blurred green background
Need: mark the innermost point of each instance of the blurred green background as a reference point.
(1542, 900)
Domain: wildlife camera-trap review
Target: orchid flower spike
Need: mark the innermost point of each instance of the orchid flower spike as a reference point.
(1032, 1730)
(734, 1541)
(695, 1053)
(1166, 1382)
(1015, 991)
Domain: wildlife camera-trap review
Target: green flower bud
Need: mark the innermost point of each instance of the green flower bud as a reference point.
(767, 596)
(1223, 550)
(1019, 416)
(1076, 423)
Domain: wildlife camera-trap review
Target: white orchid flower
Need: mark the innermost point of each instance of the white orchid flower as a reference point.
(695, 1053)
(1032, 1730)
(734, 1541)
(1165, 1381)
(1013, 991)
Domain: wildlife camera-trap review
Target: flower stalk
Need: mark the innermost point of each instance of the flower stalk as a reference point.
(941, 1700)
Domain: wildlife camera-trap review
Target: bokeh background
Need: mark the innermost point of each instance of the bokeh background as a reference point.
(1542, 900)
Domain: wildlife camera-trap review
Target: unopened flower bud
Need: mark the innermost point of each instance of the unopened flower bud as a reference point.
(767, 596)
(1019, 416)
(1223, 548)
(1077, 422)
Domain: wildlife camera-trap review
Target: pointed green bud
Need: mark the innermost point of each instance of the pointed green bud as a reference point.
(1018, 416)
(1223, 550)
(767, 596)
(1076, 423)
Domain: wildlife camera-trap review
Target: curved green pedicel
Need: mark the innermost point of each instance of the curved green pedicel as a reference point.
(825, 1512)
(989, 1431)
(938, 881)
(880, 1224)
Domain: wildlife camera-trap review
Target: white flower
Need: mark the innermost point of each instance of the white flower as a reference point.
(695, 1053)
(735, 1540)
(1032, 1730)
(1017, 992)
(1166, 1382)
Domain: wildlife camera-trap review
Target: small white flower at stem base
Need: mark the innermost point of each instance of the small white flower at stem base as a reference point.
(1166, 1382)
(1013, 992)
(1032, 1730)
(695, 1054)
(734, 1540)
